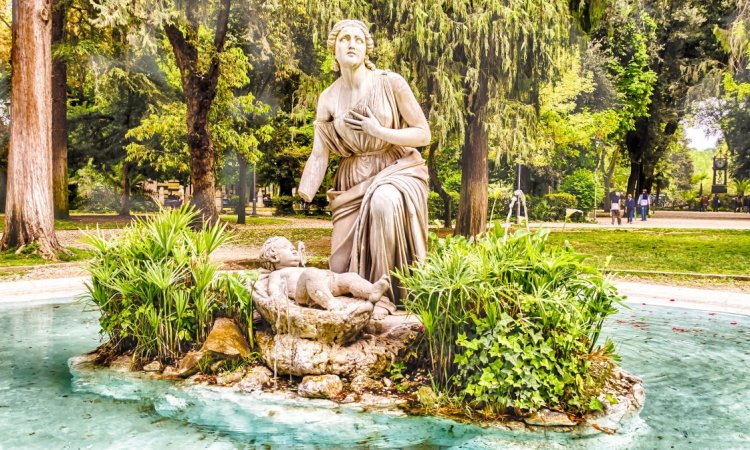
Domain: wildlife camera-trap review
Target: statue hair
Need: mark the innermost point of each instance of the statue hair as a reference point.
(369, 41)
(268, 253)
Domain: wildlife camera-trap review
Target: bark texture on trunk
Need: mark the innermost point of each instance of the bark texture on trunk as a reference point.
(437, 186)
(242, 191)
(59, 117)
(29, 216)
(472, 209)
(199, 87)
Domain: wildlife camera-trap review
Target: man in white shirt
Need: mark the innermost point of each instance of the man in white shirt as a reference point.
(644, 201)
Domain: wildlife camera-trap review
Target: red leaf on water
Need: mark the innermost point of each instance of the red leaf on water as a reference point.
(732, 323)
(671, 299)
(711, 314)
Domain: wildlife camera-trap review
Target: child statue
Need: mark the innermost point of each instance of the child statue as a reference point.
(309, 286)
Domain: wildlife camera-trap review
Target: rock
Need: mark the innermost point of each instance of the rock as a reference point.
(122, 363)
(171, 372)
(427, 397)
(216, 366)
(256, 379)
(547, 418)
(351, 398)
(360, 383)
(226, 339)
(153, 366)
(369, 355)
(231, 378)
(189, 364)
(320, 386)
(639, 395)
(387, 382)
(373, 401)
(339, 326)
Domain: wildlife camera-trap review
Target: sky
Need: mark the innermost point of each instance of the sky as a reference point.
(699, 139)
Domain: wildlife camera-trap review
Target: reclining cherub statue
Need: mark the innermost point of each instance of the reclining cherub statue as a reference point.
(309, 286)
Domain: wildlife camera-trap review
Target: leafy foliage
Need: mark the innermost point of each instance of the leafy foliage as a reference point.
(581, 185)
(511, 324)
(156, 289)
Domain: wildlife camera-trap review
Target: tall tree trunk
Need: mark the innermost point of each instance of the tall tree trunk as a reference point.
(242, 191)
(29, 216)
(125, 185)
(3, 188)
(437, 186)
(59, 117)
(199, 87)
(472, 206)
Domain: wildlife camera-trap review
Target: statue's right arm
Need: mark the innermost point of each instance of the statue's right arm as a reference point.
(317, 163)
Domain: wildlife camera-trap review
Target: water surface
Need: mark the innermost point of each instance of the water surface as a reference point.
(695, 365)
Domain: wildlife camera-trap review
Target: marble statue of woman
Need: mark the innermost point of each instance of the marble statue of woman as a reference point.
(379, 199)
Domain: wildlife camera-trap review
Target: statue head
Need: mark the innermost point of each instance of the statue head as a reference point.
(277, 253)
(360, 27)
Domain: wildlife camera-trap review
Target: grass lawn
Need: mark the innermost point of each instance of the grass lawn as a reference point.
(9, 258)
(665, 250)
(83, 221)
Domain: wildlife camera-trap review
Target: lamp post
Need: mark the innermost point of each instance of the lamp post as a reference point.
(518, 204)
(255, 195)
(597, 143)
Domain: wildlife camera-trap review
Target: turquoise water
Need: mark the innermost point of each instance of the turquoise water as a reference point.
(695, 365)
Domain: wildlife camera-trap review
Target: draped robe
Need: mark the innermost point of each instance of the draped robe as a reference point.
(379, 198)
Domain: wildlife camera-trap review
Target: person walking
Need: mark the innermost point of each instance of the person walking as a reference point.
(704, 203)
(615, 203)
(715, 203)
(630, 207)
(644, 202)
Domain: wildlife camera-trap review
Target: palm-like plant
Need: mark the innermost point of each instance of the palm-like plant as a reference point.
(156, 288)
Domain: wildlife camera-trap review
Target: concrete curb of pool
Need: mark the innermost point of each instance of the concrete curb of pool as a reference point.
(64, 289)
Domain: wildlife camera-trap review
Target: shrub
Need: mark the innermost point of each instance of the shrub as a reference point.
(284, 205)
(511, 325)
(436, 206)
(539, 209)
(581, 185)
(559, 202)
(156, 289)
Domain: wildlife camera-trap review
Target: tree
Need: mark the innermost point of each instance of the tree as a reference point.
(685, 50)
(59, 114)
(197, 32)
(29, 216)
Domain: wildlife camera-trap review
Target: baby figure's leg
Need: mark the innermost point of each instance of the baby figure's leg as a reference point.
(350, 282)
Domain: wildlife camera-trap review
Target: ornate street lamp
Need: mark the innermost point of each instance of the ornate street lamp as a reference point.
(720, 175)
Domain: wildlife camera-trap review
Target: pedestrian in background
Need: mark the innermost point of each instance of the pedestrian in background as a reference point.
(716, 203)
(630, 207)
(644, 202)
(615, 207)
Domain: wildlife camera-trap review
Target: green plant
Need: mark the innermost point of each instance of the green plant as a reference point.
(156, 288)
(559, 202)
(539, 209)
(284, 205)
(510, 325)
(581, 185)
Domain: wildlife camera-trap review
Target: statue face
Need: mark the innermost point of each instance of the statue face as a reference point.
(287, 255)
(351, 47)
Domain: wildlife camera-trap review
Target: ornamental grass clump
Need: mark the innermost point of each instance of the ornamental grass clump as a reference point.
(156, 289)
(512, 327)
